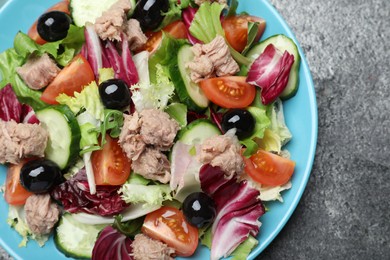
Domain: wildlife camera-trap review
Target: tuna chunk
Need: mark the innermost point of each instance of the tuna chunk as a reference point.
(212, 59)
(153, 165)
(110, 24)
(134, 34)
(38, 72)
(145, 248)
(41, 213)
(158, 129)
(19, 141)
(223, 151)
(151, 127)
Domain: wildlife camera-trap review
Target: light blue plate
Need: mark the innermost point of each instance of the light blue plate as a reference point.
(300, 114)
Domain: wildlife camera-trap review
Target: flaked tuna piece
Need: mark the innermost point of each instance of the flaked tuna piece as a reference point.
(38, 72)
(212, 59)
(41, 213)
(145, 248)
(153, 165)
(223, 151)
(110, 24)
(134, 33)
(158, 129)
(151, 127)
(19, 141)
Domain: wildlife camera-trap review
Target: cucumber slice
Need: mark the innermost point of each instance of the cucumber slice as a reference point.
(283, 43)
(198, 131)
(76, 239)
(64, 134)
(84, 11)
(188, 91)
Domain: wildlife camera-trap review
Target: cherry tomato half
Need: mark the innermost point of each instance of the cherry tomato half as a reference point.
(110, 165)
(268, 168)
(15, 193)
(77, 74)
(236, 30)
(169, 225)
(229, 92)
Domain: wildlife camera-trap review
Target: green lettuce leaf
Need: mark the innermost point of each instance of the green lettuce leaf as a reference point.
(152, 195)
(262, 123)
(174, 12)
(153, 95)
(207, 24)
(88, 99)
(278, 125)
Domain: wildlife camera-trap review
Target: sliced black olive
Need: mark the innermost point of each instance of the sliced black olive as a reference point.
(53, 26)
(149, 13)
(240, 119)
(40, 176)
(115, 93)
(199, 209)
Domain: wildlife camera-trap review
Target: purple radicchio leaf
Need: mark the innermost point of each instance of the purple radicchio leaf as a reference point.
(75, 197)
(111, 244)
(270, 71)
(238, 210)
(12, 109)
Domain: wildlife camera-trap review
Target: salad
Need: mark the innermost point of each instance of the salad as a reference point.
(139, 130)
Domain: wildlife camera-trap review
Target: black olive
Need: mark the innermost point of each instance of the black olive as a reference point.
(115, 93)
(53, 26)
(149, 13)
(240, 119)
(199, 209)
(40, 176)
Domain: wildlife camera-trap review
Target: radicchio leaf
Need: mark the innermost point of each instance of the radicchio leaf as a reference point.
(112, 244)
(93, 49)
(238, 210)
(12, 109)
(75, 197)
(128, 63)
(187, 16)
(270, 71)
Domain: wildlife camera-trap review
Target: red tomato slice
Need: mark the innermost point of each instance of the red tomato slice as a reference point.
(15, 193)
(268, 168)
(110, 165)
(176, 29)
(236, 30)
(168, 225)
(77, 74)
(229, 92)
(62, 6)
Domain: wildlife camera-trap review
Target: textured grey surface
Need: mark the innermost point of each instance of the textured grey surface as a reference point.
(345, 210)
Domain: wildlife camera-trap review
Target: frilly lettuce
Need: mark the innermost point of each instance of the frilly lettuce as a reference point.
(146, 96)
(88, 99)
(278, 124)
(16, 219)
(150, 195)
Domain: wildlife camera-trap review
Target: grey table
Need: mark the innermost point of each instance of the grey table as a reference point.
(345, 210)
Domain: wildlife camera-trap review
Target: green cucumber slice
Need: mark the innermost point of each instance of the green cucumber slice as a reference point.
(198, 131)
(64, 134)
(76, 239)
(283, 43)
(84, 11)
(188, 91)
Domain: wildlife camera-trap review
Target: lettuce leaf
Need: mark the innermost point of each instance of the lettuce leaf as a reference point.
(88, 99)
(278, 125)
(262, 123)
(207, 24)
(146, 96)
(177, 111)
(150, 195)
(174, 12)
(244, 249)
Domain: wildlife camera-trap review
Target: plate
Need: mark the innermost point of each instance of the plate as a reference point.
(300, 115)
